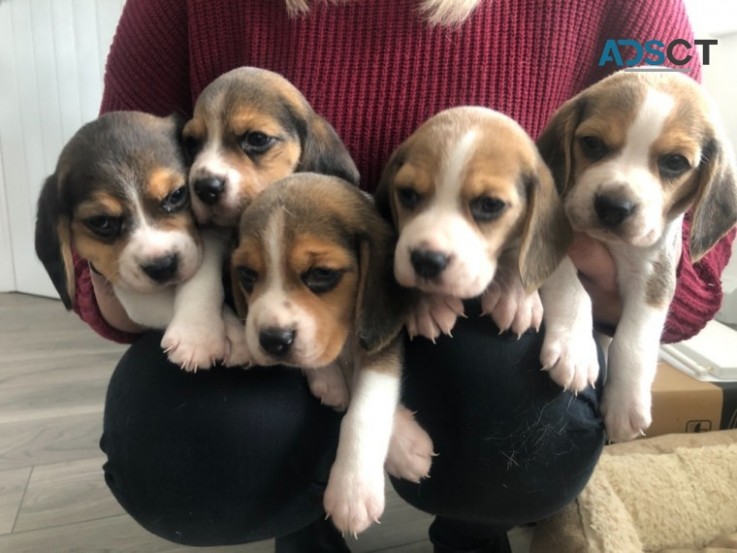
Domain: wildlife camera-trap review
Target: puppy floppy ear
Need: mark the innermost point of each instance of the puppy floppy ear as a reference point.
(53, 241)
(715, 208)
(556, 142)
(239, 298)
(380, 305)
(324, 152)
(382, 194)
(177, 123)
(546, 234)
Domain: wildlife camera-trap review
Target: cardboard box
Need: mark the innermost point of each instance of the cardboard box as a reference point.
(682, 403)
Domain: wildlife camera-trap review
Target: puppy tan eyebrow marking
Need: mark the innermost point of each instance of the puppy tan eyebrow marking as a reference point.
(416, 176)
(162, 181)
(248, 254)
(100, 204)
(309, 251)
(246, 120)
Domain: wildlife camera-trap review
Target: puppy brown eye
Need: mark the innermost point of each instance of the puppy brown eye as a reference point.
(408, 197)
(255, 143)
(593, 147)
(104, 225)
(248, 278)
(486, 208)
(673, 165)
(320, 279)
(176, 200)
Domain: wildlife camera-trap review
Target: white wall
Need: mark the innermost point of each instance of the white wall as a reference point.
(7, 275)
(52, 56)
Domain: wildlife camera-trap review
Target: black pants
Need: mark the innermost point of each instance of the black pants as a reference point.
(228, 456)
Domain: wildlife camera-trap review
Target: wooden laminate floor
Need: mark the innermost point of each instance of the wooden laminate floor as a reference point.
(53, 499)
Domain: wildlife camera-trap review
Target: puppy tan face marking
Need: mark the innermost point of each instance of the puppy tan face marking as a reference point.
(677, 154)
(162, 181)
(124, 178)
(313, 273)
(251, 127)
(634, 155)
(458, 197)
(271, 152)
(244, 135)
(301, 290)
(103, 252)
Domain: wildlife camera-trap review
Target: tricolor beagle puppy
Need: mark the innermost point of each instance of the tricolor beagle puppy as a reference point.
(119, 198)
(630, 155)
(250, 128)
(312, 277)
(478, 215)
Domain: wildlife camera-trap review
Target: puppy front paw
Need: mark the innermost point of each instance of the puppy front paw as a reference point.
(410, 449)
(353, 500)
(434, 315)
(626, 416)
(238, 354)
(195, 345)
(570, 358)
(328, 385)
(511, 308)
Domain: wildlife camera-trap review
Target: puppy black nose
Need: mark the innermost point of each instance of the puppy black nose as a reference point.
(275, 340)
(162, 268)
(427, 263)
(209, 189)
(612, 211)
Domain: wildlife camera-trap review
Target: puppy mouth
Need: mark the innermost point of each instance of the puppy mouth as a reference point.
(162, 272)
(219, 215)
(470, 287)
(632, 232)
(225, 218)
(145, 284)
(296, 358)
(451, 281)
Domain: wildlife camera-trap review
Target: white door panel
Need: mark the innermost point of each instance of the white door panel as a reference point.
(52, 56)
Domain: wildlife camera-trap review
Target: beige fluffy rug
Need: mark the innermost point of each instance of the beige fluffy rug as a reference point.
(669, 494)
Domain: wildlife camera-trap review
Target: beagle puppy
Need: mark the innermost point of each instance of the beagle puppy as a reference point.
(119, 198)
(478, 215)
(251, 127)
(312, 278)
(630, 155)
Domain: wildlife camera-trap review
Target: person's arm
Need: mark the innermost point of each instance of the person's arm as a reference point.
(698, 294)
(147, 70)
(100, 309)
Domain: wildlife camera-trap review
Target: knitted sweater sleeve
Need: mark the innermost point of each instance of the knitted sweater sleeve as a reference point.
(698, 294)
(147, 70)
(699, 289)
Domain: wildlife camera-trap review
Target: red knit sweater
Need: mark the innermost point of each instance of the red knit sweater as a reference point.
(376, 70)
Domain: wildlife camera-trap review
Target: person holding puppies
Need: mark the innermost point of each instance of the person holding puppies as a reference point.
(227, 456)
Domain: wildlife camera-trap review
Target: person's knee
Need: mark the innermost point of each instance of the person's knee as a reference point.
(512, 446)
(508, 480)
(217, 457)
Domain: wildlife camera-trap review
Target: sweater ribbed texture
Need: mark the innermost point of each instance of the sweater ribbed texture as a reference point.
(376, 71)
